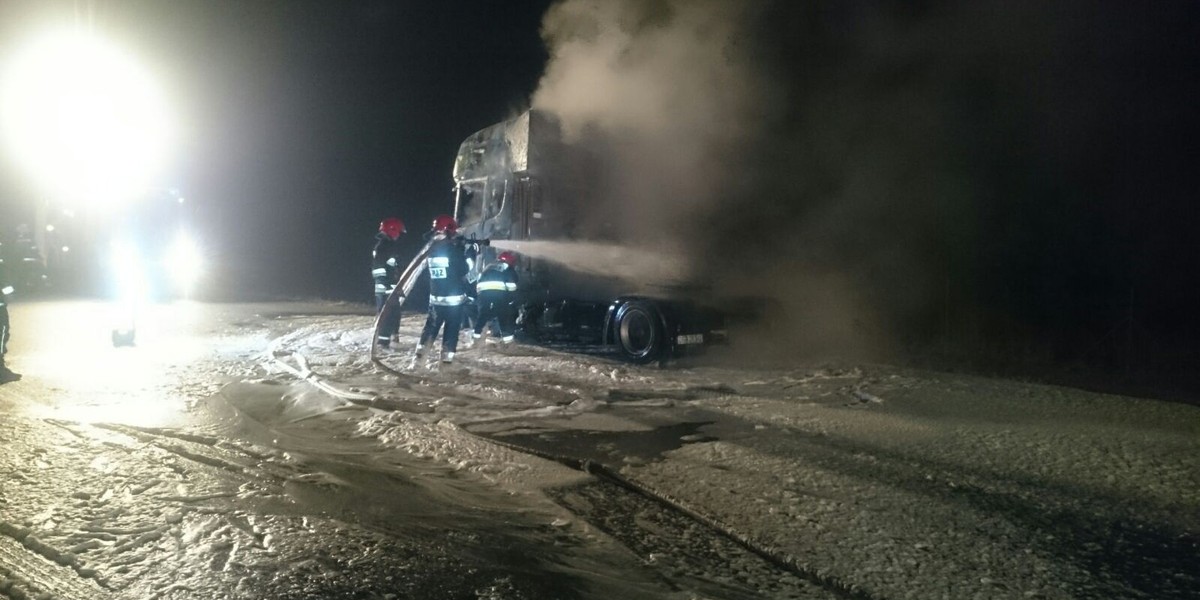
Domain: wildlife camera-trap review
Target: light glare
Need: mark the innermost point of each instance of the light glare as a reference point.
(185, 263)
(84, 121)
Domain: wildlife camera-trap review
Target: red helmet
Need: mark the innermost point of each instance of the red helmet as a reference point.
(444, 224)
(507, 258)
(391, 227)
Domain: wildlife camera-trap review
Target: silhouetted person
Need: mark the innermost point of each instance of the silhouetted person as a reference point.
(385, 269)
(6, 290)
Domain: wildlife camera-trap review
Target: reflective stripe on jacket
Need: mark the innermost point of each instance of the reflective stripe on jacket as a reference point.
(447, 300)
(384, 260)
(495, 286)
(497, 278)
(447, 267)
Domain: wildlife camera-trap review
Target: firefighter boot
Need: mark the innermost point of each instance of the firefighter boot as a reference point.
(417, 356)
(7, 375)
(475, 341)
(506, 345)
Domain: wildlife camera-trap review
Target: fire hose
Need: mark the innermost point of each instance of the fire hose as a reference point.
(395, 301)
(304, 373)
(399, 294)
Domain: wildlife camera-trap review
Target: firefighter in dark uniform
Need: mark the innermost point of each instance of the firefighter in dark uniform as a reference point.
(448, 267)
(496, 294)
(385, 269)
(6, 290)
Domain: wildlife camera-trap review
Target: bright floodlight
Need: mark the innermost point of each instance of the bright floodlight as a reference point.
(83, 119)
(185, 262)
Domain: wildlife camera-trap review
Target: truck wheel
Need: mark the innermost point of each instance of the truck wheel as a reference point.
(639, 332)
(527, 323)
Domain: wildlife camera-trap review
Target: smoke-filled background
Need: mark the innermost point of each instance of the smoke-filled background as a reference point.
(1005, 181)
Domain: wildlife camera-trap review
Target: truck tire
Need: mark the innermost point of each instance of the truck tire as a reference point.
(527, 323)
(639, 332)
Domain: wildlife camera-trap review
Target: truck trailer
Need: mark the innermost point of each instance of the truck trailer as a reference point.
(586, 275)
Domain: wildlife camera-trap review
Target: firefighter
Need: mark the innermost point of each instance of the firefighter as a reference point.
(496, 293)
(6, 290)
(385, 269)
(448, 267)
(471, 308)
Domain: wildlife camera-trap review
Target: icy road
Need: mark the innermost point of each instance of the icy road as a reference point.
(200, 465)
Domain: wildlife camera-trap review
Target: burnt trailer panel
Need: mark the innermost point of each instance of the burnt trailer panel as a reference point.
(518, 180)
(585, 277)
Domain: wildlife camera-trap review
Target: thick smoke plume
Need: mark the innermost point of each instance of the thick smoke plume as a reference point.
(896, 174)
(671, 90)
(680, 96)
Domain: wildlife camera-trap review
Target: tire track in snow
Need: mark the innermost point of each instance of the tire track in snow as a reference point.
(121, 531)
(788, 564)
(31, 567)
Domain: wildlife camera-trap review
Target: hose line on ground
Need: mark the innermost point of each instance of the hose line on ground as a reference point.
(305, 373)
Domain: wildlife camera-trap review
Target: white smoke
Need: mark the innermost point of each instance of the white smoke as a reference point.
(911, 169)
(670, 83)
(687, 107)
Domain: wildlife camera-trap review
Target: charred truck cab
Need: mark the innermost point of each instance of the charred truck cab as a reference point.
(518, 184)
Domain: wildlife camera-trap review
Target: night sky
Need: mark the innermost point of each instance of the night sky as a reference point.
(1013, 178)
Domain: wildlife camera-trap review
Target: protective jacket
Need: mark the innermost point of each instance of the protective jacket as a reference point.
(498, 281)
(496, 292)
(385, 263)
(447, 266)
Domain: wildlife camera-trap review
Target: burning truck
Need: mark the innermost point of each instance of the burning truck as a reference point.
(586, 277)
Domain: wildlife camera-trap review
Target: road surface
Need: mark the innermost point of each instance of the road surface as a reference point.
(198, 465)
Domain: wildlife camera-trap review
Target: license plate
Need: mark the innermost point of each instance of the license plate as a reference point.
(692, 338)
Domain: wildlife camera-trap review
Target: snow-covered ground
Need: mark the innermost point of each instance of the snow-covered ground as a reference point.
(778, 481)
